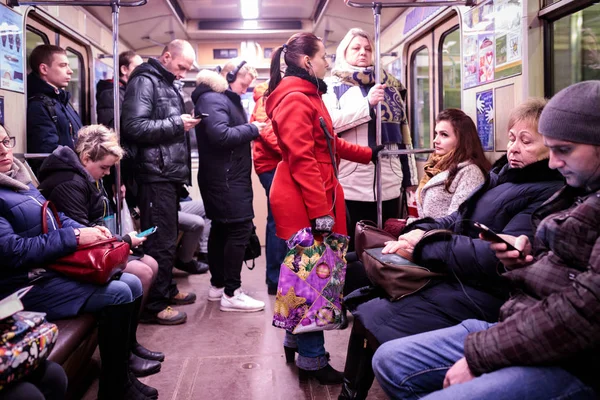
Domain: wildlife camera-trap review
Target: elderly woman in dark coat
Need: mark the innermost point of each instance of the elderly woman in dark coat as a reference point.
(518, 184)
(24, 254)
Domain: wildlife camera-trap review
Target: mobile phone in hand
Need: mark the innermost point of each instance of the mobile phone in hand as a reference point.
(491, 236)
(147, 232)
(201, 115)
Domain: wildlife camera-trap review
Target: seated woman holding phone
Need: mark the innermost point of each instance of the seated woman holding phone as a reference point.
(25, 253)
(471, 287)
(72, 180)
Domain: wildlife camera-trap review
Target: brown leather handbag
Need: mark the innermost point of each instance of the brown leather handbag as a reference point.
(396, 274)
(94, 263)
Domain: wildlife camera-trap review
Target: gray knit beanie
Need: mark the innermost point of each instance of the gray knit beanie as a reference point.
(573, 114)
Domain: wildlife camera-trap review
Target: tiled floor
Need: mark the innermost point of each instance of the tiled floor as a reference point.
(219, 355)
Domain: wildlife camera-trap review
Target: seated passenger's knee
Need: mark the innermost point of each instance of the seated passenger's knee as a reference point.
(133, 284)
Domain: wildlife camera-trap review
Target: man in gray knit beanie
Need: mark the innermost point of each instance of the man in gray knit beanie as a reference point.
(546, 343)
(570, 124)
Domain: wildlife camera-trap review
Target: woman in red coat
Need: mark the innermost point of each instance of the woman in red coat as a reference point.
(305, 191)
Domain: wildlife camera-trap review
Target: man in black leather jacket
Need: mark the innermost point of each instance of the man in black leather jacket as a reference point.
(154, 126)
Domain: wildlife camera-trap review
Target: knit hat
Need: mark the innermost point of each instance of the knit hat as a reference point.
(573, 114)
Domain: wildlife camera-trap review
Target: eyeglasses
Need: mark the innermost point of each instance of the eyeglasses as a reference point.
(9, 142)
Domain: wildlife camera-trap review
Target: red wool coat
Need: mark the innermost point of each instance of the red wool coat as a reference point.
(305, 186)
(265, 150)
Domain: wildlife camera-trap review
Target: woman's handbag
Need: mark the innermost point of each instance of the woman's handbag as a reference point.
(253, 249)
(311, 279)
(396, 274)
(94, 263)
(26, 339)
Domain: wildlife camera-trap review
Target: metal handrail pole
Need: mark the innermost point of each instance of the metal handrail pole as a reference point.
(116, 109)
(402, 152)
(378, 178)
(16, 3)
(468, 3)
(29, 156)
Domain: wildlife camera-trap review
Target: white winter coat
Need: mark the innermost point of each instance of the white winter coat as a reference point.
(351, 118)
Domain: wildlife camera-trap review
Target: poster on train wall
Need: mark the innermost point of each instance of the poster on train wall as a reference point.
(491, 42)
(485, 119)
(11, 58)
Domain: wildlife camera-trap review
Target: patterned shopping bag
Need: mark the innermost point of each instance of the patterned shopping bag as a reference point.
(311, 279)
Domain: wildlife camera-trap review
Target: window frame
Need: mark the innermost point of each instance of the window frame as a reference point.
(440, 61)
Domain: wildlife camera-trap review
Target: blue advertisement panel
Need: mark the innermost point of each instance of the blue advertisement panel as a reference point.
(11, 58)
(485, 119)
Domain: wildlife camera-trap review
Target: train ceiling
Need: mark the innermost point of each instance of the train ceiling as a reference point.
(160, 21)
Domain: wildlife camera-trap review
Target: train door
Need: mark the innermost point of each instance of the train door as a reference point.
(434, 76)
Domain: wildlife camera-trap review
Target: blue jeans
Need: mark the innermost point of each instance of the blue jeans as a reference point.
(275, 247)
(124, 290)
(311, 349)
(414, 367)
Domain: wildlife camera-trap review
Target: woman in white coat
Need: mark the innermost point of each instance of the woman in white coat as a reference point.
(351, 100)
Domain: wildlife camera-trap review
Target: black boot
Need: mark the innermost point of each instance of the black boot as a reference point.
(141, 367)
(113, 332)
(145, 389)
(326, 375)
(137, 348)
(358, 372)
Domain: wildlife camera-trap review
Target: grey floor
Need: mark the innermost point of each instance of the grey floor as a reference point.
(224, 355)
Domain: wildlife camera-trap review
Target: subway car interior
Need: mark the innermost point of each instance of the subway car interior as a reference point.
(484, 57)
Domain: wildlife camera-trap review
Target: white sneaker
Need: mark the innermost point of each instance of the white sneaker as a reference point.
(241, 302)
(215, 293)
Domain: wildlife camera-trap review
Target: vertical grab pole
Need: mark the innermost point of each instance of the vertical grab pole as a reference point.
(117, 107)
(377, 17)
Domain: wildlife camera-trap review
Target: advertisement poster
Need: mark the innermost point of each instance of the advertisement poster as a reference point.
(1, 110)
(485, 119)
(491, 42)
(11, 59)
(102, 71)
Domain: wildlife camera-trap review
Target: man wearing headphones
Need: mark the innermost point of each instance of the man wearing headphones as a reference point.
(224, 137)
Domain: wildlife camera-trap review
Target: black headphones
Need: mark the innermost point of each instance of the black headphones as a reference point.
(231, 75)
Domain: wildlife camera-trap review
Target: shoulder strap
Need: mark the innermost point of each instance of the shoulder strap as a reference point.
(45, 206)
(48, 103)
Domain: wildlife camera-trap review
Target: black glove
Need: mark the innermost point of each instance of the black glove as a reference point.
(183, 192)
(322, 225)
(376, 150)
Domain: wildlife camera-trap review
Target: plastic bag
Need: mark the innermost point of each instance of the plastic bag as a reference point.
(126, 220)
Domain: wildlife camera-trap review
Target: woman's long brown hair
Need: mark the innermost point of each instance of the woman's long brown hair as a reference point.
(468, 146)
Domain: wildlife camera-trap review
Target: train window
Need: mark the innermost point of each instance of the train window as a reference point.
(575, 48)
(77, 80)
(33, 38)
(421, 109)
(449, 54)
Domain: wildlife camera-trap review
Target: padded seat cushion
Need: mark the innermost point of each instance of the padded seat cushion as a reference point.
(71, 333)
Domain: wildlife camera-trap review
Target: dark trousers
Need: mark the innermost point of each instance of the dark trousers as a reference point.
(48, 381)
(275, 247)
(226, 248)
(159, 203)
(359, 210)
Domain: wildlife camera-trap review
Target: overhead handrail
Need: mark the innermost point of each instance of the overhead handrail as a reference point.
(377, 6)
(114, 4)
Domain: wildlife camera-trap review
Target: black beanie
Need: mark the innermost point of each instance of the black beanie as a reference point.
(573, 114)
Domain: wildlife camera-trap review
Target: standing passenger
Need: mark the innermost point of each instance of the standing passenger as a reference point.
(51, 119)
(154, 127)
(305, 190)
(266, 155)
(351, 99)
(224, 177)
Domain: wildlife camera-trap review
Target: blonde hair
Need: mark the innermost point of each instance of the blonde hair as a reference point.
(97, 142)
(340, 55)
(530, 111)
(246, 69)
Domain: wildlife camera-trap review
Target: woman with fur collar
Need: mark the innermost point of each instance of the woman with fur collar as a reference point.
(351, 99)
(224, 178)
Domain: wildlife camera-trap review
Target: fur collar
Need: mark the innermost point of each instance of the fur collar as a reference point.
(19, 180)
(215, 81)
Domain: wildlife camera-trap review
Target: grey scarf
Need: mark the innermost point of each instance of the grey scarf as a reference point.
(16, 178)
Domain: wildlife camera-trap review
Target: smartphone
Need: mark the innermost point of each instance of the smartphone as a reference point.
(147, 232)
(491, 236)
(202, 115)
